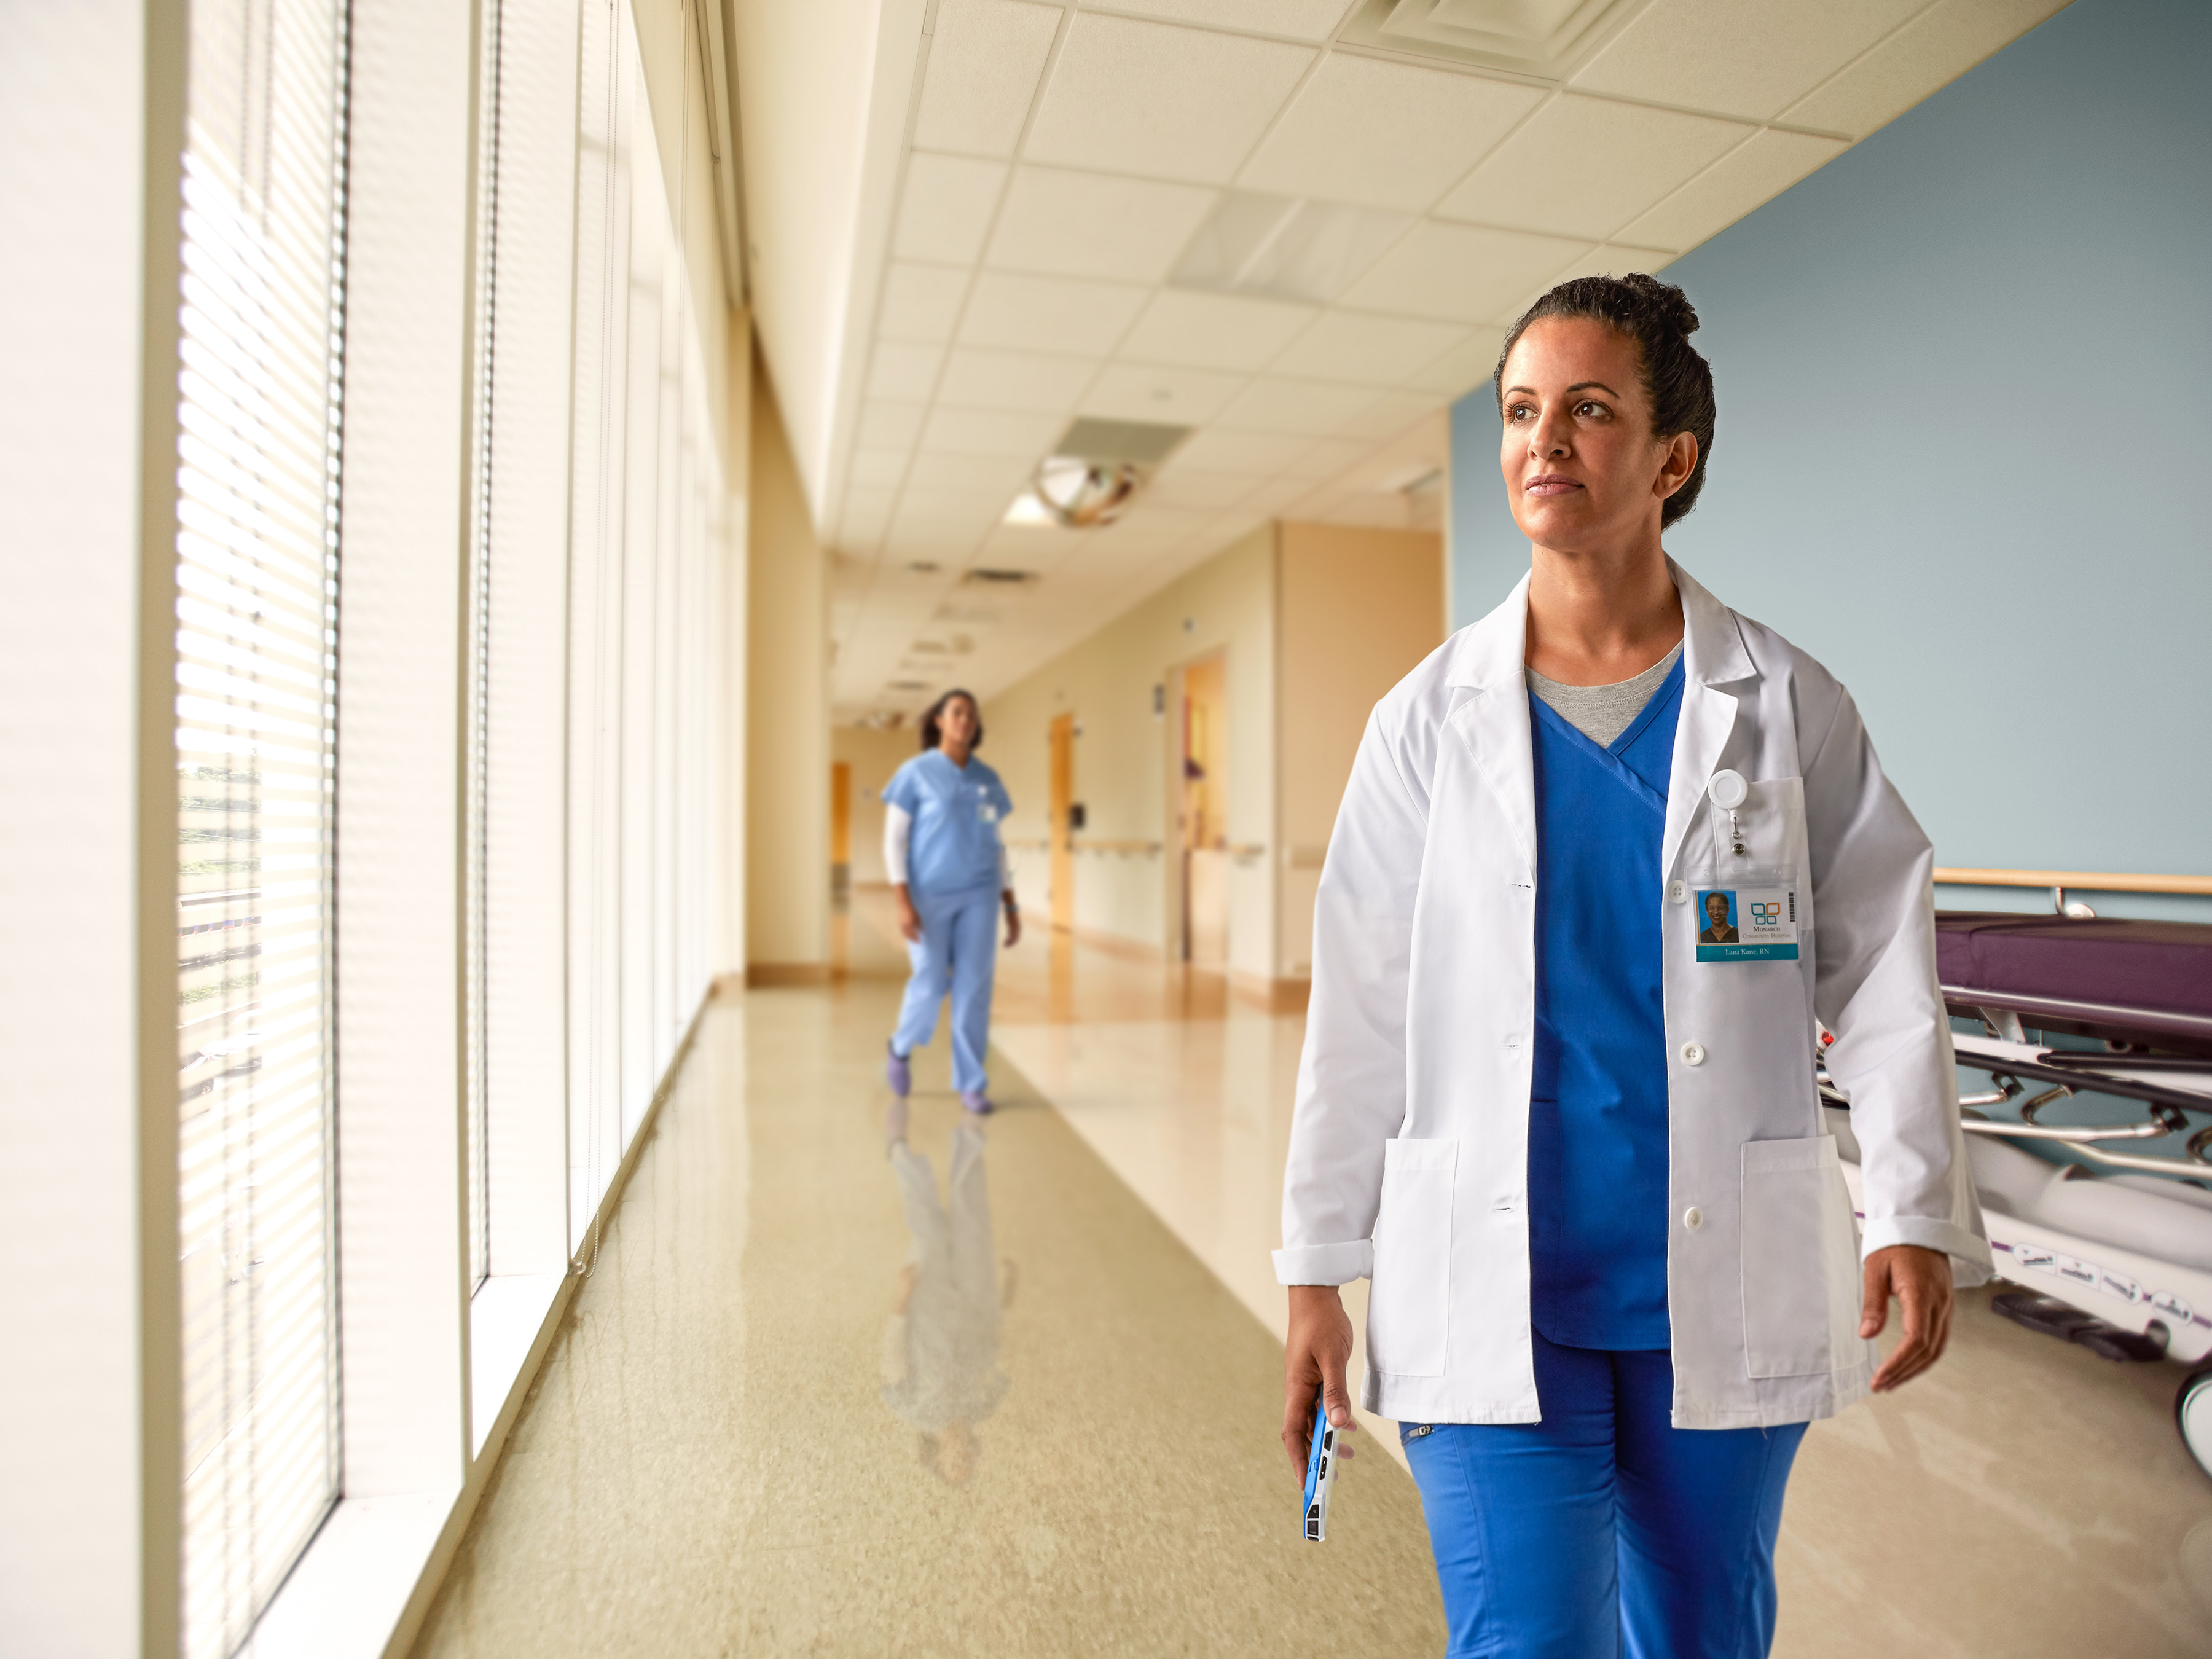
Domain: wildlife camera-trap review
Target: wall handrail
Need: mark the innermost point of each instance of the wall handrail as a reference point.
(2088, 881)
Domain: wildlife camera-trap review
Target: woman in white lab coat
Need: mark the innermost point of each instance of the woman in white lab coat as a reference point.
(1603, 860)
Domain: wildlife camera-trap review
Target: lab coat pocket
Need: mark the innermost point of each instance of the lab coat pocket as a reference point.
(1800, 1260)
(1409, 1301)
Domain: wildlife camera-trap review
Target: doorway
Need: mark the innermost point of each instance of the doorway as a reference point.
(1063, 828)
(1202, 812)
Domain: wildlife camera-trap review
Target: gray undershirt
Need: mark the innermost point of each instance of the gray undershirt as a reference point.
(1601, 712)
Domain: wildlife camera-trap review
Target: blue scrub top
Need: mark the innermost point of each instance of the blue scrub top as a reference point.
(953, 847)
(1597, 1111)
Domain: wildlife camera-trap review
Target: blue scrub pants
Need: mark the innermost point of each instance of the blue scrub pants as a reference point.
(958, 950)
(1604, 1530)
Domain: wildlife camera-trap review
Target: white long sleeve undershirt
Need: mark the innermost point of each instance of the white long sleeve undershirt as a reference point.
(898, 824)
(898, 829)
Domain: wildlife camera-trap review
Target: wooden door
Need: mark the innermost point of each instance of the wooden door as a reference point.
(841, 814)
(1063, 844)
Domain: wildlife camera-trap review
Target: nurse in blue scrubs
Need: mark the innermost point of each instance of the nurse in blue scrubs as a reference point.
(948, 869)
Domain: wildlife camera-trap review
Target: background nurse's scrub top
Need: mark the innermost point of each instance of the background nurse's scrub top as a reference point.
(953, 846)
(1597, 1108)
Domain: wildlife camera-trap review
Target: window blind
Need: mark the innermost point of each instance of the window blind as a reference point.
(257, 570)
(477, 772)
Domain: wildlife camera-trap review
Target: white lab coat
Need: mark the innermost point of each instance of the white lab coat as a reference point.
(1409, 1147)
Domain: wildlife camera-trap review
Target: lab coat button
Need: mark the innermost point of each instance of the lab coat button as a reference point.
(1693, 1053)
(1679, 892)
(1693, 1217)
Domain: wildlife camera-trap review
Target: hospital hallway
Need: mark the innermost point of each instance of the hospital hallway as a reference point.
(708, 1463)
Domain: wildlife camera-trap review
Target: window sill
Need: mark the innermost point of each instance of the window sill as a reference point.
(507, 1315)
(355, 1586)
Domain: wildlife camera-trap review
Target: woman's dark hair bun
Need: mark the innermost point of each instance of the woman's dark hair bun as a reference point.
(1668, 304)
(1659, 317)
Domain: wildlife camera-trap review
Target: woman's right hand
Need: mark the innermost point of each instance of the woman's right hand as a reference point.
(909, 918)
(1314, 1360)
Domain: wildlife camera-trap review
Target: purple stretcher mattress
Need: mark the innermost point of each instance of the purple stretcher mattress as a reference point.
(2150, 977)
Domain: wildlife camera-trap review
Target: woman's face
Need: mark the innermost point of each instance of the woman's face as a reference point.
(1582, 471)
(956, 725)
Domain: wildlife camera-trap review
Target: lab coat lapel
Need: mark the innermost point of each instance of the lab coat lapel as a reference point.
(1713, 656)
(1494, 723)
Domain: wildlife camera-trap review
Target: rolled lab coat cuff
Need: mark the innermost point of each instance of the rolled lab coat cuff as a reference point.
(1969, 1253)
(1325, 1264)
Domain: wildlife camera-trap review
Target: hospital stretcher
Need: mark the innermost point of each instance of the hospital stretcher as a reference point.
(2099, 1210)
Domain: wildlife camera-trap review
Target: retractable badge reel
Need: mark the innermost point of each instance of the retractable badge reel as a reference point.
(1728, 790)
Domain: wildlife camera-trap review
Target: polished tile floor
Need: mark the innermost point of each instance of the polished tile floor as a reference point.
(838, 1389)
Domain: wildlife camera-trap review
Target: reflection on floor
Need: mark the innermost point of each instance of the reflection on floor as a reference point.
(1004, 1392)
(816, 1400)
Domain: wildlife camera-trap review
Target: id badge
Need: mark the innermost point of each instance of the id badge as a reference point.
(1745, 924)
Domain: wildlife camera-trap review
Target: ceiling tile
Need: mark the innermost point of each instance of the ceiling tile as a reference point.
(920, 302)
(1301, 20)
(1365, 349)
(888, 426)
(1384, 134)
(904, 373)
(1214, 450)
(1014, 379)
(999, 475)
(1390, 414)
(990, 432)
(1275, 494)
(1322, 462)
(1466, 366)
(1172, 397)
(1746, 178)
(1314, 407)
(1167, 102)
(1066, 224)
(1748, 58)
(876, 468)
(944, 211)
(1930, 52)
(1584, 167)
(1214, 331)
(1048, 314)
(1461, 272)
(985, 57)
(1182, 486)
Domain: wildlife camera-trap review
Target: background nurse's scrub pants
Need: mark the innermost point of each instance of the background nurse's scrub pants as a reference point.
(958, 950)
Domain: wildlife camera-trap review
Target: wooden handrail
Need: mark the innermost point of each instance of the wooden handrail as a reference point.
(2087, 881)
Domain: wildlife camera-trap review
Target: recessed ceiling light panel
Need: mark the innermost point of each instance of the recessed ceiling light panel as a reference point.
(1285, 248)
(1545, 37)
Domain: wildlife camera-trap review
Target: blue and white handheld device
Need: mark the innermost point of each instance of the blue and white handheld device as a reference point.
(1321, 1476)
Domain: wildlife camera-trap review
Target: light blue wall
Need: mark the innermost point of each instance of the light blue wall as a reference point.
(1965, 449)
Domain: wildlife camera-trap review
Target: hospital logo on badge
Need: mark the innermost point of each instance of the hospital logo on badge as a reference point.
(1747, 924)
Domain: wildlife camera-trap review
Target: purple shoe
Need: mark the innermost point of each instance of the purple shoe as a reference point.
(897, 1073)
(977, 1102)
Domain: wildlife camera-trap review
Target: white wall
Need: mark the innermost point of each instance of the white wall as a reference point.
(88, 1441)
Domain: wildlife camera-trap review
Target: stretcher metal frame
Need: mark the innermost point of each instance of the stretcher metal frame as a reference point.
(2167, 1303)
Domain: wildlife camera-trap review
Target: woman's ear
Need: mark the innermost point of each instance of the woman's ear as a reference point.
(1680, 461)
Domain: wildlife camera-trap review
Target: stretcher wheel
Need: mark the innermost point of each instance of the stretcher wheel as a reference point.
(2192, 1415)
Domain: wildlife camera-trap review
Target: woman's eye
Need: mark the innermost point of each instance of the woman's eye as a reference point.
(1591, 410)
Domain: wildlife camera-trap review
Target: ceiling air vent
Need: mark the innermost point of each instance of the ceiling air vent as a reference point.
(985, 576)
(1088, 439)
(1284, 246)
(1545, 37)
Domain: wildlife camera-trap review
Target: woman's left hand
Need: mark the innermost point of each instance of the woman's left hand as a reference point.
(1014, 926)
(1921, 1281)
